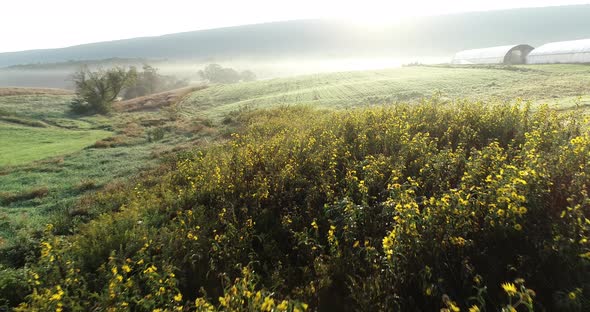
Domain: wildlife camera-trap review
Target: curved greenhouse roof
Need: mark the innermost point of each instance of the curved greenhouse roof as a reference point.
(510, 54)
(577, 51)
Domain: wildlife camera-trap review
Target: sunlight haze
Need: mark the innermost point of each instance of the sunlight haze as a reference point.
(61, 23)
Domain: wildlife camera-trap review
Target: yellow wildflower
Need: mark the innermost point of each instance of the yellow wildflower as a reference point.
(59, 293)
(46, 249)
(572, 295)
(55, 297)
(222, 301)
(150, 269)
(178, 297)
(387, 242)
(454, 307)
(283, 306)
(509, 288)
(200, 302)
(268, 304)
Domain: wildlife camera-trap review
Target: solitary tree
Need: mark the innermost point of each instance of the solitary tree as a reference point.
(248, 75)
(151, 78)
(211, 72)
(150, 81)
(96, 91)
(217, 74)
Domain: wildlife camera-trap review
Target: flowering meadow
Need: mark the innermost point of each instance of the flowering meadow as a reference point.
(438, 206)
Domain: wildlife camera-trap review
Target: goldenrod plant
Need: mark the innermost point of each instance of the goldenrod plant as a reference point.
(379, 209)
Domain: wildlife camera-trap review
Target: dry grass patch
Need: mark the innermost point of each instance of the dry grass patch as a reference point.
(6, 198)
(109, 142)
(155, 101)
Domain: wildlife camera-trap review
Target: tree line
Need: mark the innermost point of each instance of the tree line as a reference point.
(97, 90)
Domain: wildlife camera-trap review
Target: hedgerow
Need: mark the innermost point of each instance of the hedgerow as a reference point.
(454, 206)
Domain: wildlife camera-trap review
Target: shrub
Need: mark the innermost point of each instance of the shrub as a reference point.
(13, 287)
(80, 106)
(419, 207)
(149, 81)
(96, 91)
(155, 134)
(109, 142)
(215, 73)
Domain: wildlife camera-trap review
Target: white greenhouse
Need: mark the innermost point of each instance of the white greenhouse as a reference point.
(577, 51)
(511, 54)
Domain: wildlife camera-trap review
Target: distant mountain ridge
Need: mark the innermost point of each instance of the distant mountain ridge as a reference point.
(425, 36)
(77, 64)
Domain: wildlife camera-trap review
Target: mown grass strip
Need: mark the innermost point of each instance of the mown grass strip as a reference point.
(20, 144)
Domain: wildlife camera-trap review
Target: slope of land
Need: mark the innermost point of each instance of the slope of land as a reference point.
(541, 84)
(309, 169)
(155, 102)
(45, 147)
(84, 153)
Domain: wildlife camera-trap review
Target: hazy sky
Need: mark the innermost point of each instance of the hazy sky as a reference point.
(35, 24)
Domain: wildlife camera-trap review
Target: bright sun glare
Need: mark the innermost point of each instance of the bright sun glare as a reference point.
(156, 17)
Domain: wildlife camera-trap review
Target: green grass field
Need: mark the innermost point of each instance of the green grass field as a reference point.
(49, 159)
(545, 83)
(22, 144)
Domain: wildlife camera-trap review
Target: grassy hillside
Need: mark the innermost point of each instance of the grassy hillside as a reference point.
(316, 201)
(49, 158)
(77, 156)
(428, 36)
(352, 89)
(34, 126)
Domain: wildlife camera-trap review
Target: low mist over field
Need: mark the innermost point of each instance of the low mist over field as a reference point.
(58, 75)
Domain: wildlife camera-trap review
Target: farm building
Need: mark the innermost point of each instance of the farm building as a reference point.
(577, 51)
(511, 54)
